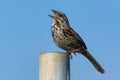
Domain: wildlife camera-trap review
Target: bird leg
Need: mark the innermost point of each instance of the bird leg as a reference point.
(73, 51)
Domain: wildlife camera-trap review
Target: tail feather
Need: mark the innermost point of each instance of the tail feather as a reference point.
(93, 61)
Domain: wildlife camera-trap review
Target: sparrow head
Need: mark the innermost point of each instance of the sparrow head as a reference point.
(59, 17)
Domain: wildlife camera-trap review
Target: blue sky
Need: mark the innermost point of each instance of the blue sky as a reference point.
(25, 32)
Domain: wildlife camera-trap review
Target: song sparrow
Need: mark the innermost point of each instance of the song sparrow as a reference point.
(66, 38)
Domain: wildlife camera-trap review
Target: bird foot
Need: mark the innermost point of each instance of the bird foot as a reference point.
(69, 54)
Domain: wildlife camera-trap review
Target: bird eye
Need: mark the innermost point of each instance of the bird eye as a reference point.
(60, 15)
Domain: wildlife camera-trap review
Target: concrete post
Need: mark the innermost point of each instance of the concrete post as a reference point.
(54, 66)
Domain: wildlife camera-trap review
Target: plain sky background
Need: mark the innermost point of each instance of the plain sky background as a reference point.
(25, 32)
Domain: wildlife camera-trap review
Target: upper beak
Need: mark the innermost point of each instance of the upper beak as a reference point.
(54, 11)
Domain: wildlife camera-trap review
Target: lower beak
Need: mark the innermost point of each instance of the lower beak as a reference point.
(50, 15)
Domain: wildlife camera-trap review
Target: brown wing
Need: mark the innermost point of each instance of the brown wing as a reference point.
(78, 38)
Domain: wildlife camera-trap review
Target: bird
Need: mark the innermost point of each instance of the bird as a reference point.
(66, 38)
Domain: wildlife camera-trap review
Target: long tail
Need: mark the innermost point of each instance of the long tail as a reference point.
(93, 61)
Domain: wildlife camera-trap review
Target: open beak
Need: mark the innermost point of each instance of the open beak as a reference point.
(54, 11)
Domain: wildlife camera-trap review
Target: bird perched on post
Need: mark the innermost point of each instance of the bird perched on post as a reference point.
(67, 39)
